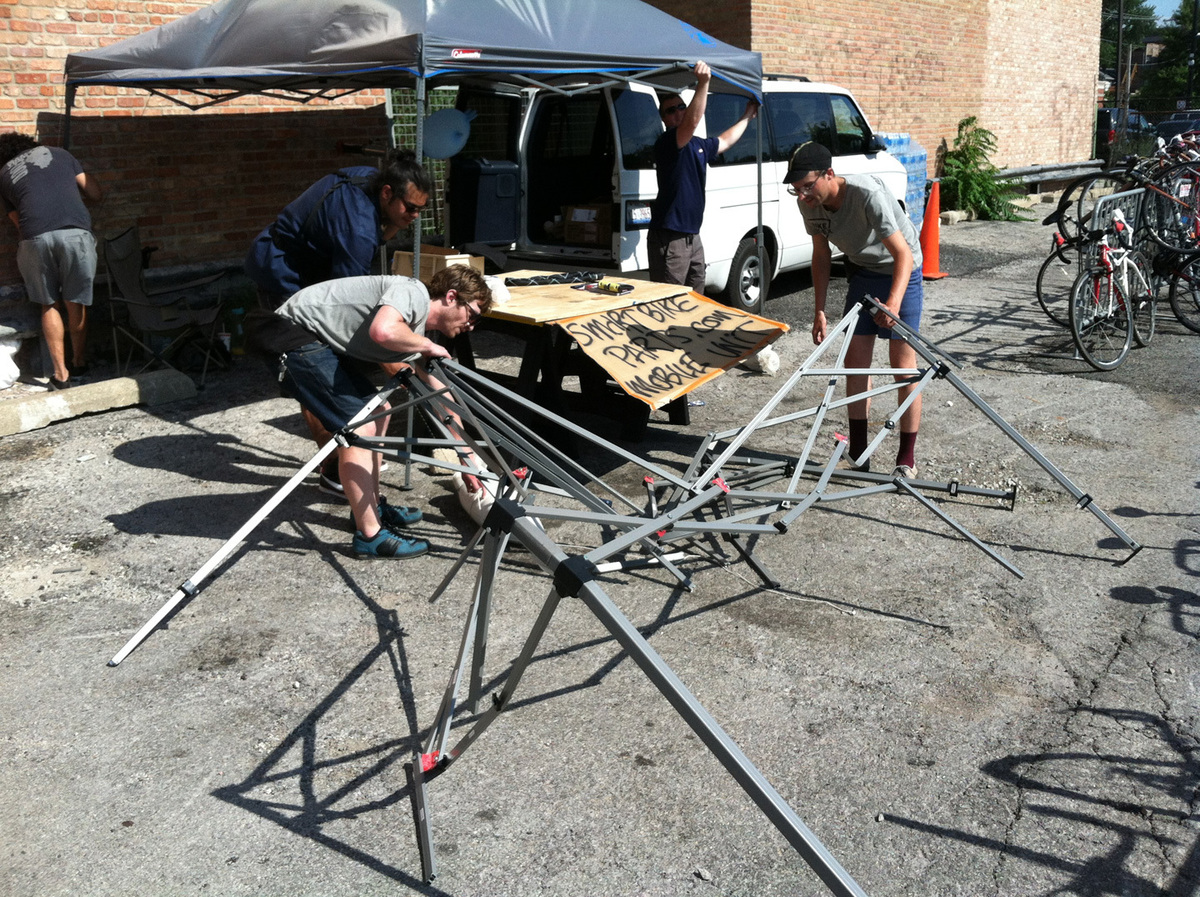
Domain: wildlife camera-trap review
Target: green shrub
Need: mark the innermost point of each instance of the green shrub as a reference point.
(970, 181)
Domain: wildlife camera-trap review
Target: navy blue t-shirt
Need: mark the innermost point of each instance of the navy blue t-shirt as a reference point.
(304, 247)
(681, 178)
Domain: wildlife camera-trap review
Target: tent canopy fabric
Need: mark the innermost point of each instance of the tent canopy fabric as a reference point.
(297, 49)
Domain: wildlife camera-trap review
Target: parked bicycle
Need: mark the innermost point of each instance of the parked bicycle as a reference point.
(1113, 302)
(1184, 291)
(1056, 278)
(1168, 236)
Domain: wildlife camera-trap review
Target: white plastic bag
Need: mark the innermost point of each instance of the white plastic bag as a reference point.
(477, 503)
(766, 361)
(9, 372)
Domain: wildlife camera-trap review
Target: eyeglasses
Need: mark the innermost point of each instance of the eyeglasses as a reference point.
(411, 207)
(678, 107)
(802, 189)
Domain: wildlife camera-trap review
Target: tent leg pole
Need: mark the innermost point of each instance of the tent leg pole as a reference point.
(66, 134)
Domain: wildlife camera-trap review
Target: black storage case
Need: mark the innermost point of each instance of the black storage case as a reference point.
(483, 201)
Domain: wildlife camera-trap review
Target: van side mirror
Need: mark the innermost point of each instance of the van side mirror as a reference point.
(875, 144)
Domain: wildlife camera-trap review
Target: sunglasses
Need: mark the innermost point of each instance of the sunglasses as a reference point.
(678, 107)
(411, 207)
(473, 315)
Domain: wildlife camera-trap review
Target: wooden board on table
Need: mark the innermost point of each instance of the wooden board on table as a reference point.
(553, 302)
(659, 351)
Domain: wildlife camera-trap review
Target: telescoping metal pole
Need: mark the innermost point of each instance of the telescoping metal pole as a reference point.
(192, 585)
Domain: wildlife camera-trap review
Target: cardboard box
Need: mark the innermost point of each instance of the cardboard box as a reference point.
(588, 225)
(433, 260)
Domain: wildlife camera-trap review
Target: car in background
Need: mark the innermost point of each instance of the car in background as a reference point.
(1136, 125)
(1106, 135)
(1178, 124)
(1120, 132)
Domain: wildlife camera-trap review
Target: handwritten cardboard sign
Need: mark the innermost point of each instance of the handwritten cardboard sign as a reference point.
(660, 350)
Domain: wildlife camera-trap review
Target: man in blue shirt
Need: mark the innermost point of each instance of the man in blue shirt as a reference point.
(333, 230)
(681, 160)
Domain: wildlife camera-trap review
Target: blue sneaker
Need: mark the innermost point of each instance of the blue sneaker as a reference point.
(387, 544)
(394, 516)
(397, 515)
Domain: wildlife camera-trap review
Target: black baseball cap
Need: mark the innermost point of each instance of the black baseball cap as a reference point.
(807, 157)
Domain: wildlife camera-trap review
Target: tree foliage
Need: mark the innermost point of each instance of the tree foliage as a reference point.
(1164, 81)
(1140, 22)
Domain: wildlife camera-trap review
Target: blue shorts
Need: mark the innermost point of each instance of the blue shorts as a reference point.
(877, 286)
(58, 265)
(332, 387)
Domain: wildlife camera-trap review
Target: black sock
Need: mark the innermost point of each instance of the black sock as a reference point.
(907, 453)
(858, 438)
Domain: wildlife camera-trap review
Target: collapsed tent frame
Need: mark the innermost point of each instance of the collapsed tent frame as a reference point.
(729, 493)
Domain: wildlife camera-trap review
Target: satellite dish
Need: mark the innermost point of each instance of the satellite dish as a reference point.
(446, 133)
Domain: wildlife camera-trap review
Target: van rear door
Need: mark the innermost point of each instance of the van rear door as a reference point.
(588, 161)
(585, 193)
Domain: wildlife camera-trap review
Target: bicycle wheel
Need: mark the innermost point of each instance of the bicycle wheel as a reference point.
(1142, 298)
(1090, 192)
(1185, 294)
(1074, 212)
(1054, 281)
(1100, 324)
(1172, 208)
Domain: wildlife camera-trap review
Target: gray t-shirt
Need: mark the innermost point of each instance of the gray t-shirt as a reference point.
(869, 215)
(340, 312)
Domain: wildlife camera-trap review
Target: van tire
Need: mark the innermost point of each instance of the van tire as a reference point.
(749, 278)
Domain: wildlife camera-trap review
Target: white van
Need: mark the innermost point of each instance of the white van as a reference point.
(570, 176)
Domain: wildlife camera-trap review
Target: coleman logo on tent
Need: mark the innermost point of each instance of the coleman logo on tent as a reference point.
(465, 54)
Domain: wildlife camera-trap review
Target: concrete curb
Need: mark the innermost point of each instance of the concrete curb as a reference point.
(152, 388)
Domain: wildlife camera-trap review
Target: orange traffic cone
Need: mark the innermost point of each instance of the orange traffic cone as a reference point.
(931, 235)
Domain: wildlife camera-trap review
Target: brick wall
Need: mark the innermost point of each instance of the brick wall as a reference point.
(200, 184)
(1025, 68)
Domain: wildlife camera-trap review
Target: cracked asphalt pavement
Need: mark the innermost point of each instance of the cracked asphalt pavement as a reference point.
(941, 725)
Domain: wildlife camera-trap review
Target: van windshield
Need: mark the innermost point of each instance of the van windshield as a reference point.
(852, 129)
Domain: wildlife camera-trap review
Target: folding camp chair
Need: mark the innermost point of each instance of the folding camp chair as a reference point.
(149, 318)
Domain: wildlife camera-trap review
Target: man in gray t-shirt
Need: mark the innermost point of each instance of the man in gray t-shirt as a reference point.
(42, 190)
(358, 322)
(859, 215)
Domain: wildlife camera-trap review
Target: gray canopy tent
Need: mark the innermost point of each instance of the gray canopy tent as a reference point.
(300, 50)
(304, 49)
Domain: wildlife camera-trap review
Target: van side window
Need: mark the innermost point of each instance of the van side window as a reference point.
(852, 129)
(797, 118)
(640, 125)
(723, 110)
